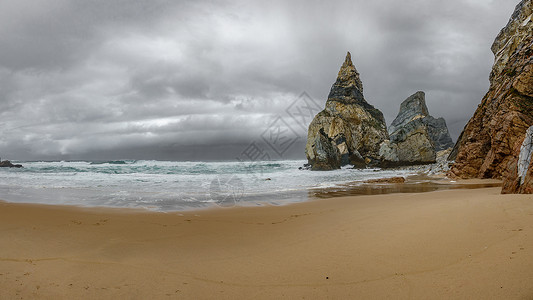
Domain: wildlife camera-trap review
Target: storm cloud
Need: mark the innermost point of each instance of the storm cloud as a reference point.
(200, 80)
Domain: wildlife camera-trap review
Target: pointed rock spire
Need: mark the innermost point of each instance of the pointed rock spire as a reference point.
(353, 126)
(348, 76)
(348, 89)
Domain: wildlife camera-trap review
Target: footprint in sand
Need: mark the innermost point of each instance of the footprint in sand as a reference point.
(101, 222)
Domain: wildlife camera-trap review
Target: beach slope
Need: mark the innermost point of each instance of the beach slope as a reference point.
(461, 244)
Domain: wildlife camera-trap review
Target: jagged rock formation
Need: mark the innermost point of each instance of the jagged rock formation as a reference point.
(353, 126)
(486, 147)
(415, 136)
(519, 179)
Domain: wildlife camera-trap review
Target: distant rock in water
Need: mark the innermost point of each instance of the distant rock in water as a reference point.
(489, 145)
(8, 164)
(352, 126)
(415, 136)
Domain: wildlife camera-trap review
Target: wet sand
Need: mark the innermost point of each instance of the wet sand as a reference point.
(412, 184)
(458, 243)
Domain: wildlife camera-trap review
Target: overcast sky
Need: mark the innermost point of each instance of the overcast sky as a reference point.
(193, 80)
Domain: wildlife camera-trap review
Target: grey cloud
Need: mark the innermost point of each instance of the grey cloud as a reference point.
(179, 79)
(55, 34)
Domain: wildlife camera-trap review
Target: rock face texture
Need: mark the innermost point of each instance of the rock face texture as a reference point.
(415, 136)
(519, 178)
(326, 155)
(439, 134)
(487, 146)
(354, 127)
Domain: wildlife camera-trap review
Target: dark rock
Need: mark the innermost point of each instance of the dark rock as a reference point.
(438, 132)
(305, 167)
(8, 164)
(325, 156)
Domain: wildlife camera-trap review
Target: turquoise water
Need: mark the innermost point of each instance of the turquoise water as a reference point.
(170, 185)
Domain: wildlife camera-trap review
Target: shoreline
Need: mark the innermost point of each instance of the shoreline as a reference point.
(468, 243)
(420, 183)
(169, 186)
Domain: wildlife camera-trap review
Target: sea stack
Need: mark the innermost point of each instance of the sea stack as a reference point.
(352, 126)
(415, 136)
(490, 143)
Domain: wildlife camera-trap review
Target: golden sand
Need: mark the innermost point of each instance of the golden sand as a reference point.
(453, 244)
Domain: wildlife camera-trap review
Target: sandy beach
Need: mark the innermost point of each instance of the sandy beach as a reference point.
(452, 244)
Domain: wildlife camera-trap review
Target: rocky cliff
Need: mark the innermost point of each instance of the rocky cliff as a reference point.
(415, 136)
(487, 147)
(353, 126)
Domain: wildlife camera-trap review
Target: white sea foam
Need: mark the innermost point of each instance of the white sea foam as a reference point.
(170, 185)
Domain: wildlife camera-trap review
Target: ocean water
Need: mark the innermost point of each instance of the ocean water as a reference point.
(172, 186)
